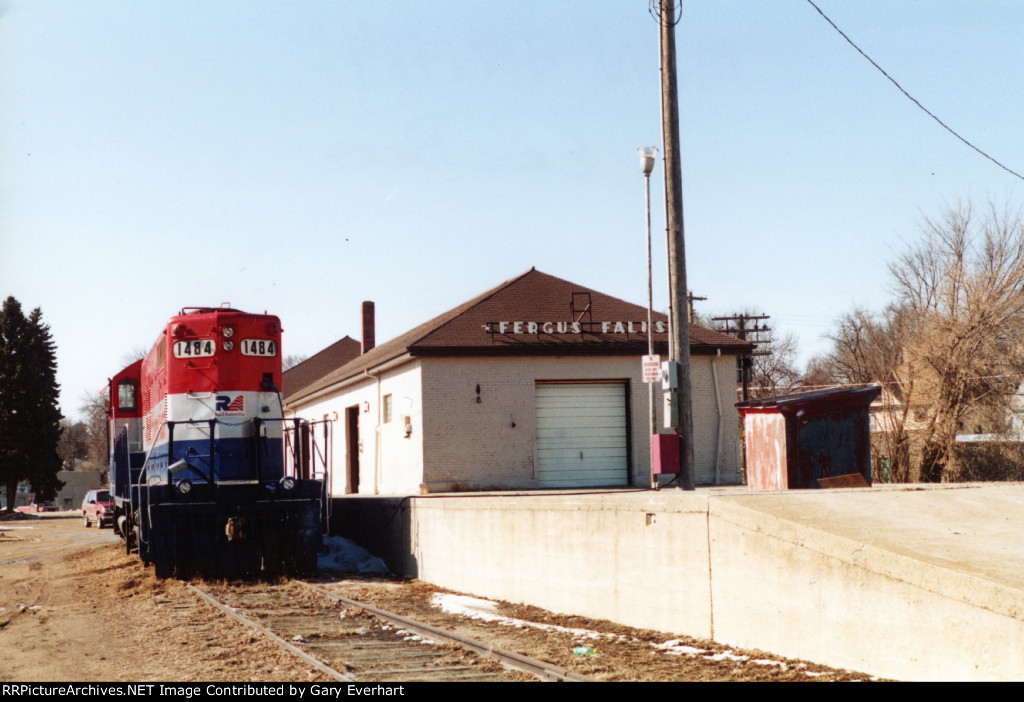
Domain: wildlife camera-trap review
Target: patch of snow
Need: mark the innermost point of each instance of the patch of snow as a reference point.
(347, 556)
(765, 661)
(472, 607)
(726, 656)
(486, 610)
(676, 647)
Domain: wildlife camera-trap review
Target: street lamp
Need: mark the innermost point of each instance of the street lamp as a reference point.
(647, 156)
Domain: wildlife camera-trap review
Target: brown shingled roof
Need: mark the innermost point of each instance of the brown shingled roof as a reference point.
(301, 375)
(474, 328)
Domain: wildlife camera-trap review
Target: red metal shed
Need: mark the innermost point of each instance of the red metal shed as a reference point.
(795, 441)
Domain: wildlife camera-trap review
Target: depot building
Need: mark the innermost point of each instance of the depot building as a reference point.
(536, 383)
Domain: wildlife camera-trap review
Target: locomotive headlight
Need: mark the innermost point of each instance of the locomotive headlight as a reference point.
(228, 345)
(288, 482)
(184, 487)
(227, 332)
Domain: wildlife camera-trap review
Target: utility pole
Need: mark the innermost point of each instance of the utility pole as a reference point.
(680, 397)
(740, 331)
(690, 299)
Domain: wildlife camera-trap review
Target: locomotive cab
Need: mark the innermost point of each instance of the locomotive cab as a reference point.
(124, 438)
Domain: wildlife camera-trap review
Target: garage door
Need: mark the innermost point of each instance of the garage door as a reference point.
(582, 434)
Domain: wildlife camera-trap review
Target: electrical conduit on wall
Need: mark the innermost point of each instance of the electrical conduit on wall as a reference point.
(721, 419)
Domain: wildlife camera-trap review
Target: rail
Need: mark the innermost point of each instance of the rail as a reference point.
(396, 652)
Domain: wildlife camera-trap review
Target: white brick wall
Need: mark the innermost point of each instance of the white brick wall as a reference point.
(389, 461)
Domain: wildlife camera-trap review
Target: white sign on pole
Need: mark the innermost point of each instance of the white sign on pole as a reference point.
(652, 369)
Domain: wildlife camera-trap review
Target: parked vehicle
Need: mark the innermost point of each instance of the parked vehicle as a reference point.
(98, 508)
(36, 507)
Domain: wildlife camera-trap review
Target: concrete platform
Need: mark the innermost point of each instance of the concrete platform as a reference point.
(913, 583)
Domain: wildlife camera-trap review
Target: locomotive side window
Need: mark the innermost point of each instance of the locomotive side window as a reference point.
(126, 394)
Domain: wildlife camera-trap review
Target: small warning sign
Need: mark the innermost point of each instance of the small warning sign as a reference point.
(652, 369)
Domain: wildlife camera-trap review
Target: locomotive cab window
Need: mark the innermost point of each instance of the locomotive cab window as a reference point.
(126, 396)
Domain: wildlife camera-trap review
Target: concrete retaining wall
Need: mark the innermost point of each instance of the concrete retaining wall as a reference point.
(777, 572)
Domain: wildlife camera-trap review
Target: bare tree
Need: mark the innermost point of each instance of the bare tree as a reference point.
(94, 407)
(772, 367)
(774, 370)
(869, 348)
(292, 360)
(137, 352)
(962, 289)
(73, 445)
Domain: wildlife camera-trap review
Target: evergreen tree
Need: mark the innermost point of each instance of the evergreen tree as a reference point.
(29, 412)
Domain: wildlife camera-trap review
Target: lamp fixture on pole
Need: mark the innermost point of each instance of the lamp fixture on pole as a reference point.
(647, 156)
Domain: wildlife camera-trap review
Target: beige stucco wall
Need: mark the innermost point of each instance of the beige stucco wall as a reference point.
(490, 443)
(460, 443)
(474, 444)
(707, 424)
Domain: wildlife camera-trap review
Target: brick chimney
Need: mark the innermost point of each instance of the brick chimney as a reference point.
(369, 326)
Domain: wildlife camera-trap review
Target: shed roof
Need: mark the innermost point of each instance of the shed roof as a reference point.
(486, 325)
(830, 399)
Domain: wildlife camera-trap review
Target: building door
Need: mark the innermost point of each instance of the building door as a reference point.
(352, 446)
(582, 434)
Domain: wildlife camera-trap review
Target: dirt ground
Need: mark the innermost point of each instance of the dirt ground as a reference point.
(75, 607)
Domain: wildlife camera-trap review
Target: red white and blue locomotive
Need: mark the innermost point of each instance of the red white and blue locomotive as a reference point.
(207, 475)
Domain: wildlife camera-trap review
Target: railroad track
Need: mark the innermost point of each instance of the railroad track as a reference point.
(352, 641)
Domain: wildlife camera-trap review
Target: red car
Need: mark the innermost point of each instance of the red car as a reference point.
(98, 508)
(36, 507)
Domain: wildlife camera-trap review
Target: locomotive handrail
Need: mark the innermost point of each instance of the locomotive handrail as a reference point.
(136, 487)
(170, 445)
(321, 454)
(256, 421)
(298, 448)
(297, 423)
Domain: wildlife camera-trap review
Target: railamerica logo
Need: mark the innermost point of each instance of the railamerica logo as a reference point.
(226, 405)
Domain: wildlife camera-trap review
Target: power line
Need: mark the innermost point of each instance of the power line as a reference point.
(659, 8)
(909, 96)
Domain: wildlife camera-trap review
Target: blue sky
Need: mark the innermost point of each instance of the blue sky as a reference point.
(300, 157)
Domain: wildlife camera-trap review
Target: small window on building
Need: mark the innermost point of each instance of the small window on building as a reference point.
(387, 408)
(126, 396)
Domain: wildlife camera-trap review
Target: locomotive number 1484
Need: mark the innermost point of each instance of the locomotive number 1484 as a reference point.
(194, 348)
(258, 347)
(201, 348)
